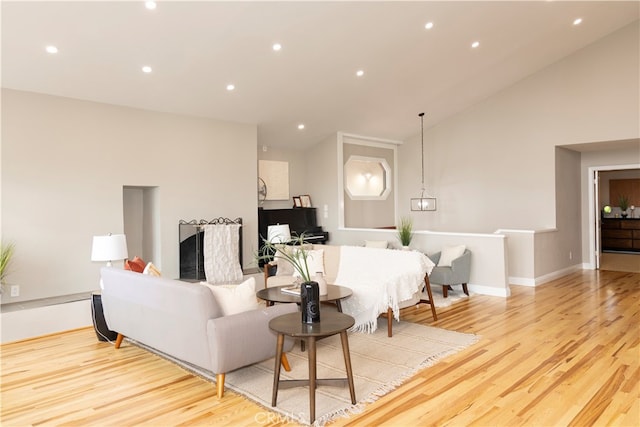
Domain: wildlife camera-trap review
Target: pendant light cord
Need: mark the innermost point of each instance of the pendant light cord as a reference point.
(422, 139)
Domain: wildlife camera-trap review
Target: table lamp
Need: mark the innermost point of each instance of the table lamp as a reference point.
(278, 233)
(112, 247)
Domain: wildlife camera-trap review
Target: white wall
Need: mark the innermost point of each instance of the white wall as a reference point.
(493, 166)
(64, 165)
(297, 174)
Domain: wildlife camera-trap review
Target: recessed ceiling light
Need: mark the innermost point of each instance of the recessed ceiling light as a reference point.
(230, 87)
(277, 46)
(151, 5)
(301, 126)
(360, 73)
(146, 69)
(475, 44)
(577, 21)
(428, 25)
(51, 49)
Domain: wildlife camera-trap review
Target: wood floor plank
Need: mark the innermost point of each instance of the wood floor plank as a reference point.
(563, 353)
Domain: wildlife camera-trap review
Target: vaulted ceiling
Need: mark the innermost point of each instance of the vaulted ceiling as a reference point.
(196, 49)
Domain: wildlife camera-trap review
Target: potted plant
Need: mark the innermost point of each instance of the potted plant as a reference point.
(623, 201)
(6, 252)
(405, 232)
(298, 257)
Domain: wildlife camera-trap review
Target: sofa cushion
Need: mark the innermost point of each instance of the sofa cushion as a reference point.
(331, 261)
(449, 253)
(284, 267)
(235, 298)
(273, 281)
(136, 264)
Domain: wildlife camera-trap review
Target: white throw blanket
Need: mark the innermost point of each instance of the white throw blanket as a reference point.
(379, 279)
(221, 247)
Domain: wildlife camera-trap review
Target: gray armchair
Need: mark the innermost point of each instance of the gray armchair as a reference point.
(457, 274)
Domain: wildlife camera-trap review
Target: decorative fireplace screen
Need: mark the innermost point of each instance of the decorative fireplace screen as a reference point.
(191, 241)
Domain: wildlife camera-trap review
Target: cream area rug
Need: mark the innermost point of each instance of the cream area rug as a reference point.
(379, 363)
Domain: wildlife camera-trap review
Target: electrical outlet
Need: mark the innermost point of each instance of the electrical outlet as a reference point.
(15, 290)
(570, 255)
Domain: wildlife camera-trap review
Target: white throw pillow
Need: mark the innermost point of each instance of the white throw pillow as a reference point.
(380, 244)
(449, 253)
(315, 262)
(235, 298)
(151, 270)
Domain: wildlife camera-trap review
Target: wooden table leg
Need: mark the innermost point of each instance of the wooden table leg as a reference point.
(311, 351)
(276, 370)
(339, 306)
(347, 364)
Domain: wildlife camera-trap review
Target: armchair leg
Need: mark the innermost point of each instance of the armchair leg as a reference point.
(119, 339)
(464, 289)
(445, 290)
(220, 385)
(285, 362)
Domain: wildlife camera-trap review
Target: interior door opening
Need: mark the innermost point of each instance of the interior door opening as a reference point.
(612, 244)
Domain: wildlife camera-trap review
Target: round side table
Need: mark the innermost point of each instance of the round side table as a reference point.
(331, 323)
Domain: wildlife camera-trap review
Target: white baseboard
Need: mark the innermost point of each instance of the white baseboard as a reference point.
(527, 281)
(521, 281)
(489, 290)
(557, 274)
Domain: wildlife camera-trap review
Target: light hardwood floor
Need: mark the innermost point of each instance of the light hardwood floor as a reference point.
(564, 353)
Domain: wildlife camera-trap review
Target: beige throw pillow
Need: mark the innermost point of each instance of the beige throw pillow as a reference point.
(235, 298)
(151, 270)
(449, 253)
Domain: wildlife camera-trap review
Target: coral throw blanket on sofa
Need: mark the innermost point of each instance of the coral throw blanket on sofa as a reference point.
(379, 279)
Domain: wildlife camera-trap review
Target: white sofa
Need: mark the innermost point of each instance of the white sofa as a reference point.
(383, 281)
(185, 321)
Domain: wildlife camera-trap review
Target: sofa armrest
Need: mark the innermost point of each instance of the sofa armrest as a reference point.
(245, 338)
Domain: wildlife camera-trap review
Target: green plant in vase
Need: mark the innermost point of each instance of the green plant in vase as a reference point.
(6, 253)
(294, 252)
(623, 201)
(405, 231)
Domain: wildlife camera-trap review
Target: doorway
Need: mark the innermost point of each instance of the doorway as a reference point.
(604, 191)
(141, 222)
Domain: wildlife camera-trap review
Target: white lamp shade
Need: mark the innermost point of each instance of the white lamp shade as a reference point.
(278, 233)
(109, 248)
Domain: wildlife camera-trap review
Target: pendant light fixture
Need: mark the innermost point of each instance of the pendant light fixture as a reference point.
(424, 202)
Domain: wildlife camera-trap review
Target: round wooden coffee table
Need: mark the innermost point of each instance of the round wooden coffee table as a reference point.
(331, 323)
(273, 295)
